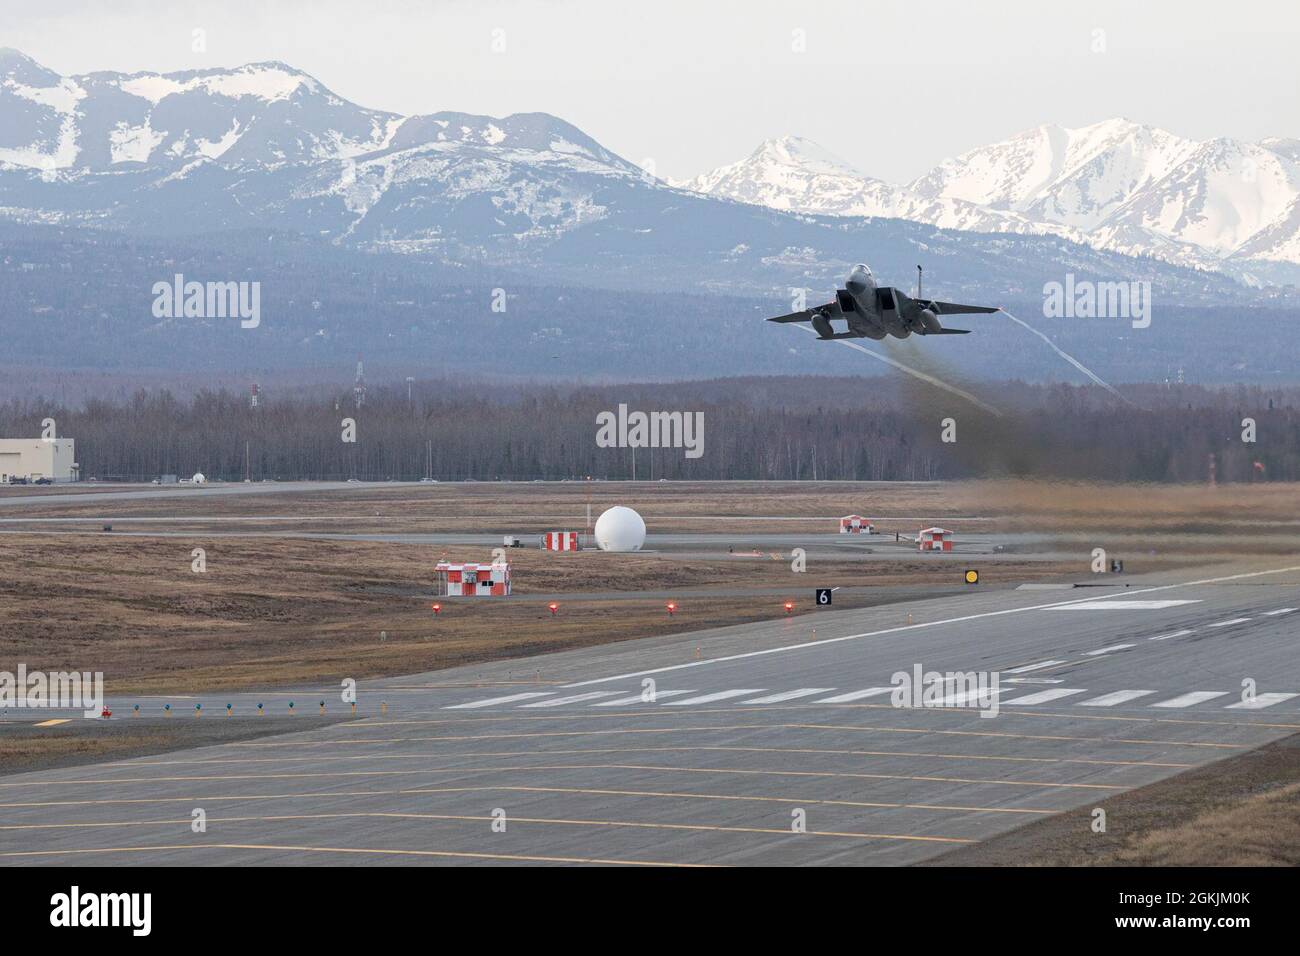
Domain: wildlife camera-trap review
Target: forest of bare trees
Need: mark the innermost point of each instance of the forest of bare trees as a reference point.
(756, 428)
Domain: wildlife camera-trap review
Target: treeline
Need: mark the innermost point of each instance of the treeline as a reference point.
(754, 428)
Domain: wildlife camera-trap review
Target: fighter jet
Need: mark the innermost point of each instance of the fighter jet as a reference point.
(873, 311)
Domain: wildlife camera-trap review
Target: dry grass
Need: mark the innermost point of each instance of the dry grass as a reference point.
(276, 610)
(1261, 830)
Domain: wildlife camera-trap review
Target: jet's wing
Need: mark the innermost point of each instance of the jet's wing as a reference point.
(805, 316)
(956, 308)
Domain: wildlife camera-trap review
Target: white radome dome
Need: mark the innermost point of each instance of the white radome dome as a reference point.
(199, 478)
(620, 529)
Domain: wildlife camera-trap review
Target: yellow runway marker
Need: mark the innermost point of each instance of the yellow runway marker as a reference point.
(552, 767)
(569, 791)
(782, 710)
(517, 858)
(703, 748)
(480, 818)
(53, 723)
(707, 728)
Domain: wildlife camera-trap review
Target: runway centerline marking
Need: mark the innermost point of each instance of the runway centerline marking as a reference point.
(1165, 637)
(1117, 604)
(1229, 622)
(925, 624)
(1032, 667)
(1107, 650)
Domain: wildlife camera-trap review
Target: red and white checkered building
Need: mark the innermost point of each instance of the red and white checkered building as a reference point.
(560, 541)
(856, 524)
(934, 539)
(472, 580)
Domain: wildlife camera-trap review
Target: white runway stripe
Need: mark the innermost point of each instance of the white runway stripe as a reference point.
(1043, 696)
(1281, 610)
(1118, 697)
(1032, 667)
(1165, 637)
(1117, 605)
(1106, 650)
(491, 701)
(636, 699)
(1235, 620)
(1195, 697)
(575, 699)
(973, 694)
(855, 695)
(719, 695)
(789, 695)
(1261, 701)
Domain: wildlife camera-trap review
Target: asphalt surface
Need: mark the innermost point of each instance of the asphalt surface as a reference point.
(755, 731)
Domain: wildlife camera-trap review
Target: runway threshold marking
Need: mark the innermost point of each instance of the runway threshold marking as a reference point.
(1260, 701)
(925, 624)
(1118, 697)
(1189, 699)
(509, 699)
(280, 847)
(789, 695)
(488, 818)
(638, 699)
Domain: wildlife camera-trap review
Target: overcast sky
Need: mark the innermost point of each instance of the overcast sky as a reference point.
(892, 87)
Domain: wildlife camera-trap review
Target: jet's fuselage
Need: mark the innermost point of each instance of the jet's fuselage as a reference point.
(872, 311)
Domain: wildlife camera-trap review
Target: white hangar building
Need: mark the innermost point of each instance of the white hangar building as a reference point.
(33, 458)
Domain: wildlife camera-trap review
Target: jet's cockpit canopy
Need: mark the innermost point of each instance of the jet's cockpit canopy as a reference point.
(863, 267)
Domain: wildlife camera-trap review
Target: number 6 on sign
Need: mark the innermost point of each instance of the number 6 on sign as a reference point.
(824, 596)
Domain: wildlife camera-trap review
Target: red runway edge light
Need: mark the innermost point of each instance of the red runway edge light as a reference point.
(552, 607)
(789, 606)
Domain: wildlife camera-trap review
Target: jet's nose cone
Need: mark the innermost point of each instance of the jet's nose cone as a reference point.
(859, 279)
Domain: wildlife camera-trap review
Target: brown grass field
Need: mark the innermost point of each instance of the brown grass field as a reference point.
(274, 610)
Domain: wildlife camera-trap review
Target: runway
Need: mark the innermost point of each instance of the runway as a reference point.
(774, 743)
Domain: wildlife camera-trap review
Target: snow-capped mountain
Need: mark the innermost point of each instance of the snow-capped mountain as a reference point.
(265, 146)
(1116, 185)
(268, 112)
